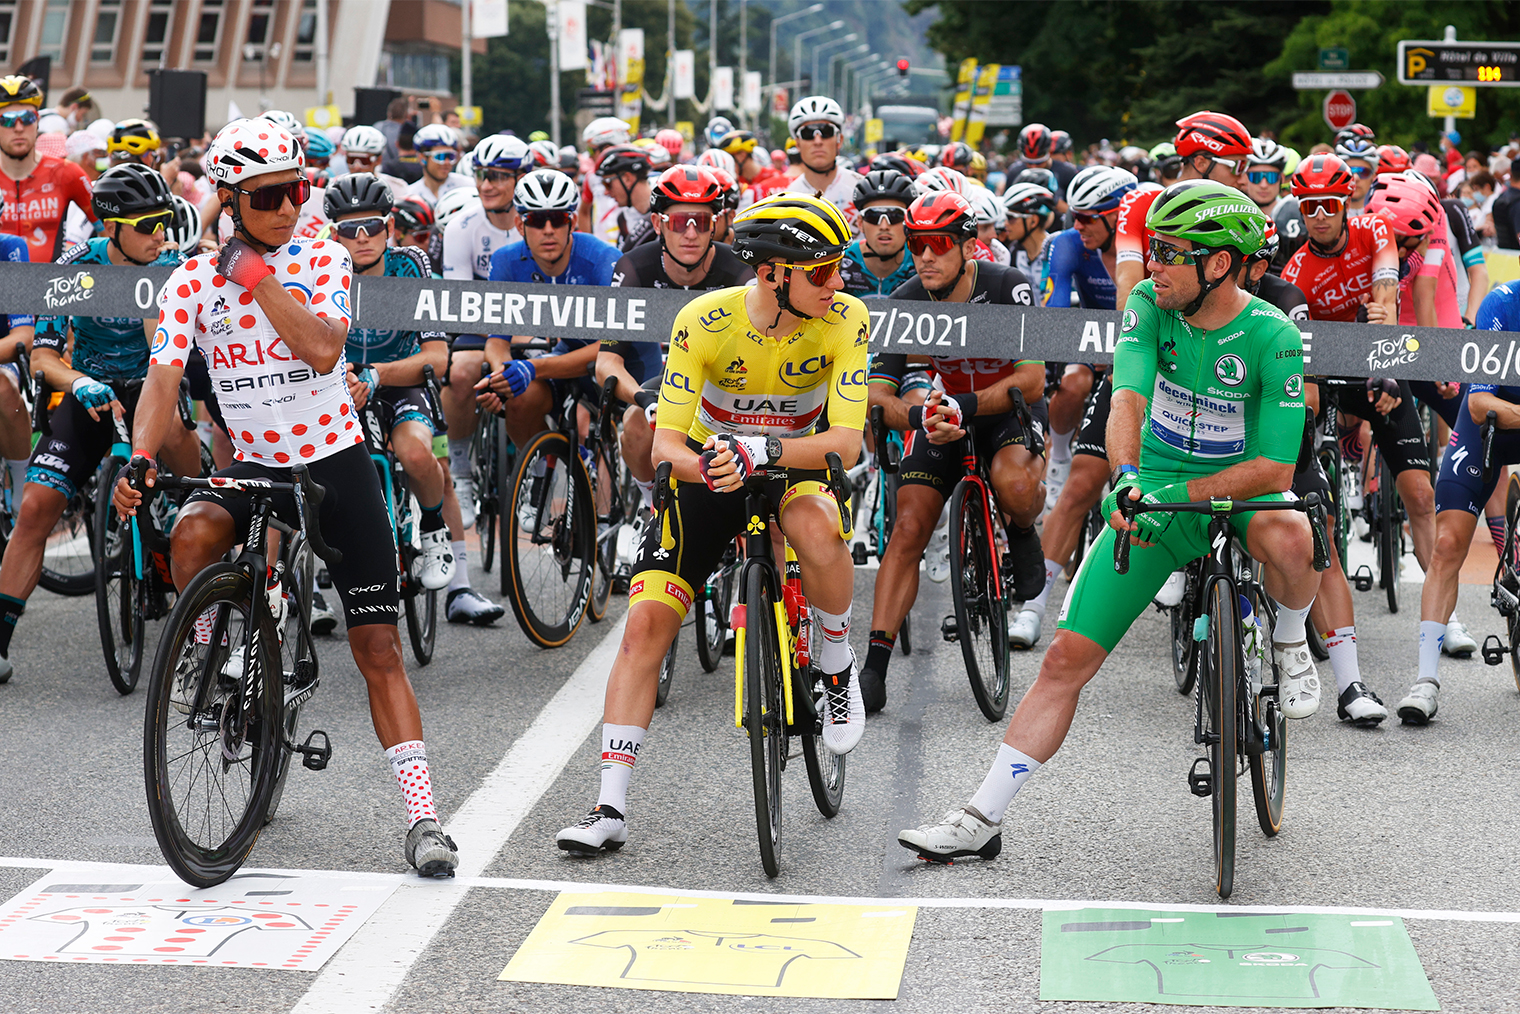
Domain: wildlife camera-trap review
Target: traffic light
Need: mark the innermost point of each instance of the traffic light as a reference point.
(902, 67)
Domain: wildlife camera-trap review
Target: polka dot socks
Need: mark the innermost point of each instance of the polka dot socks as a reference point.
(409, 762)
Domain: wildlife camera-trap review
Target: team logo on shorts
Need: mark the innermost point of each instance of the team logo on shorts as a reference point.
(1293, 387)
(1231, 371)
(1130, 320)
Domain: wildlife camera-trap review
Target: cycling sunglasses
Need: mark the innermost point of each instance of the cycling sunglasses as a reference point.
(1361, 172)
(496, 175)
(148, 224)
(1087, 217)
(814, 131)
(937, 243)
(1173, 256)
(356, 158)
(818, 274)
(271, 197)
(1236, 166)
(884, 216)
(18, 118)
(1328, 206)
(1264, 176)
(546, 219)
(444, 155)
(355, 227)
(680, 221)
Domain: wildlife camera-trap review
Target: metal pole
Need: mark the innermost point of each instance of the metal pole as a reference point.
(670, 57)
(833, 60)
(863, 76)
(832, 26)
(1451, 121)
(843, 40)
(552, 10)
(712, 54)
(466, 44)
(814, 9)
(743, 55)
(324, 93)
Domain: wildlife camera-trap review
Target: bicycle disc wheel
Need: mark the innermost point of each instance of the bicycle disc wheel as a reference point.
(981, 615)
(298, 658)
(825, 769)
(549, 540)
(667, 671)
(1184, 648)
(1220, 681)
(1269, 769)
(68, 555)
(117, 608)
(764, 721)
(211, 743)
(1390, 535)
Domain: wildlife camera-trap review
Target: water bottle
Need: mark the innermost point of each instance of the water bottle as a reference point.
(1251, 638)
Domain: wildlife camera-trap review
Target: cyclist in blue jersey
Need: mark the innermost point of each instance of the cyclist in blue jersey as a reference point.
(104, 376)
(550, 252)
(387, 366)
(1462, 489)
(877, 262)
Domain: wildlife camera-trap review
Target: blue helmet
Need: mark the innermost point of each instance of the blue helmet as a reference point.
(318, 144)
(501, 151)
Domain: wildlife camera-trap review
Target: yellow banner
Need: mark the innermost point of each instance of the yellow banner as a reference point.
(981, 97)
(687, 130)
(875, 129)
(963, 98)
(1452, 100)
(323, 117)
(469, 116)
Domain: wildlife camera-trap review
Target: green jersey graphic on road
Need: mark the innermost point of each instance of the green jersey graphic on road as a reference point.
(1216, 397)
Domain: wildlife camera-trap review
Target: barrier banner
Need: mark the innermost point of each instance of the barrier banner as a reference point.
(914, 328)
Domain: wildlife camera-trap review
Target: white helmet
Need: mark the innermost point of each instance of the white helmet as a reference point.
(187, 229)
(435, 135)
(363, 140)
(717, 158)
(985, 207)
(605, 130)
(284, 119)
(244, 149)
(813, 109)
(716, 128)
(453, 202)
(941, 177)
(465, 166)
(545, 154)
(502, 151)
(546, 190)
(1265, 151)
(1099, 188)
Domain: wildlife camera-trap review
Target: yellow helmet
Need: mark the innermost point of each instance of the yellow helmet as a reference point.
(978, 167)
(134, 137)
(792, 227)
(18, 89)
(736, 141)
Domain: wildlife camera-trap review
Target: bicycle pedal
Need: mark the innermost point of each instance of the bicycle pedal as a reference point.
(324, 579)
(949, 630)
(315, 758)
(1200, 783)
(858, 554)
(1494, 649)
(1362, 578)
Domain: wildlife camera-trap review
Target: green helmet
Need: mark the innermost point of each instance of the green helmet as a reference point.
(1165, 149)
(1210, 215)
(1293, 159)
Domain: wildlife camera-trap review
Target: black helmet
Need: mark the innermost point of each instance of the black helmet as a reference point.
(357, 192)
(881, 184)
(129, 190)
(414, 215)
(1040, 178)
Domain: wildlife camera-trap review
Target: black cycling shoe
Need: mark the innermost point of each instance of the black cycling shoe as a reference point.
(1028, 562)
(873, 689)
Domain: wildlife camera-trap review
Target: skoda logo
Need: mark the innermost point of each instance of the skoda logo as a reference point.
(1231, 371)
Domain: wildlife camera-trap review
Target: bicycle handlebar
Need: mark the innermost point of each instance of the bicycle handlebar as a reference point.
(887, 453)
(1223, 507)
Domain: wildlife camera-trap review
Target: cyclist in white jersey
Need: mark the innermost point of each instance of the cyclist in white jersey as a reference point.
(817, 124)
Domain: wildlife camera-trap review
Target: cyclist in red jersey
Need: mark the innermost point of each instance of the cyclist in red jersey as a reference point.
(38, 189)
(1212, 146)
(1346, 263)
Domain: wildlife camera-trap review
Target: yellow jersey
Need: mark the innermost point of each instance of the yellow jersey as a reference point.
(724, 376)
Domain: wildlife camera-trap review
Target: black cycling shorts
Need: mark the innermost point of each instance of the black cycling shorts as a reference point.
(354, 522)
(65, 459)
(1446, 408)
(1092, 435)
(1399, 437)
(407, 404)
(941, 466)
(201, 389)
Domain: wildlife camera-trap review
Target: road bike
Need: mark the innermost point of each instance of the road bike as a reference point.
(68, 558)
(613, 494)
(1237, 717)
(1505, 594)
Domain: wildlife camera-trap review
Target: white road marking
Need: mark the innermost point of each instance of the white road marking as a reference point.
(374, 964)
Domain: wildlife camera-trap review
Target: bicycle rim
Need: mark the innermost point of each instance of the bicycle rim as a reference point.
(1342, 483)
(209, 774)
(981, 617)
(117, 610)
(825, 769)
(763, 718)
(1269, 769)
(1223, 677)
(667, 671)
(68, 556)
(1390, 535)
(711, 630)
(1184, 648)
(548, 540)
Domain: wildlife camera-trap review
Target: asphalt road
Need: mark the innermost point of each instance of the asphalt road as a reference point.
(1421, 821)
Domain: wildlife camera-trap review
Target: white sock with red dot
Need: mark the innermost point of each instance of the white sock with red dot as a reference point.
(409, 762)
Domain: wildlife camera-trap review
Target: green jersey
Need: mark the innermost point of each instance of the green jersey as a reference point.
(1216, 397)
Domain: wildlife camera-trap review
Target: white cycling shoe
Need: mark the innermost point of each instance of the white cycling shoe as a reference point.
(1360, 706)
(437, 560)
(604, 829)
(961, 832)
(844, 714)
(1171, 593)
(1419, 706)
(1298, 696)
(1024, 631)
(1458, 643)
(464, 489)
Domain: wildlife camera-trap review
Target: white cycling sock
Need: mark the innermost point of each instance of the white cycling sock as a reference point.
(461, 578)
(1432, 633)
(459, 458)
(17, 467)
(1040, 601)
(620, 751)
(1009, 773)
(1060, 445)
(1340, 644)
(409, 762)
(1290, 628)
(832, 646)
(646, 492)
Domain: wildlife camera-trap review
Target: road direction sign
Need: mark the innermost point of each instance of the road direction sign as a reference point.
(1340, 109)
(1335, 58)
(1309, 81)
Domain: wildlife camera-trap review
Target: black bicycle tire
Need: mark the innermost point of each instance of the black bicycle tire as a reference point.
(602, 562)
(1184, 648)
(710, 648)
(299, 566)
(905, 633)
(993, 700)
(1269, 769)
(890, 484)
(764, 722)
(117, 610)
(1340, 514)
(82, 583)
(1511, 563)
(1224, 741)
(667, 671)
(201, 867)
(826, 770)
(1390, 535)
(549, 632)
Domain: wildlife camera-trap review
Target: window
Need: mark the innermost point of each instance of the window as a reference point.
(208, 33)
(55, 24)
(107, 26)
(258, 30)
(7, 27)
(156, 41)
(306, 33)
(419, 71)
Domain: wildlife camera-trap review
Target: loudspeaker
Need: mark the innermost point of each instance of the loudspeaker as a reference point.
(370, 103)
(177, 102)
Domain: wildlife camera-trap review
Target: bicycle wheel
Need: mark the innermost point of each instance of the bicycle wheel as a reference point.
(484, 461)
(1184, 648)
(68, 556)
(905, 634)
(117, 607)
(418, 603)
(764, 721)
(211, 742)
(1390, 535)
(825, 769)
(712, 626)
(1343, 485)
(886, 513)
(1219, 682)
(549, 540)
(298, 658)
(981, 615)
(1511, 562)
(667, 671)
(1269, 768)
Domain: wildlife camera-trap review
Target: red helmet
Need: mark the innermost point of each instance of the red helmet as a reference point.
(942, 211)
(1322, 175)
(1034, 142)
(1392, 159)
(1409, 207)
(1206, 133)
(956, 155)
(670, 140)
(730, 188)
(686, 184)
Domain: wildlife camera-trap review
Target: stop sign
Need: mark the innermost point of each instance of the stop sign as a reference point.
(1340, 109)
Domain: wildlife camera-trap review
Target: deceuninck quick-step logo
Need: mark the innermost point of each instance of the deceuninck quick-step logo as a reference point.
(67, 290)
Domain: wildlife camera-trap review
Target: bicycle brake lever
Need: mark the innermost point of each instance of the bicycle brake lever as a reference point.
(837, 487)
(1127, 511)
(309, 494)
(1316, 511)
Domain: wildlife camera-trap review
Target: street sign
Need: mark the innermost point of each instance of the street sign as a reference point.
(1474, 64)
(1340, 110)
(1452, 100)
(1335, 58)
(1309, 81)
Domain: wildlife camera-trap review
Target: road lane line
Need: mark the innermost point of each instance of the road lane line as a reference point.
(366, 973)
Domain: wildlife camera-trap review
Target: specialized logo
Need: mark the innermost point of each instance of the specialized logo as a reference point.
(1231, 370)
(67, 290)
(1131, 318)
(1390, 352)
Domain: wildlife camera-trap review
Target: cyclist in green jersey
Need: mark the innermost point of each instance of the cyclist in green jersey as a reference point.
(1208, 401)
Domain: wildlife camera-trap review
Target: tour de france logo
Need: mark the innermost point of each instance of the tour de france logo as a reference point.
(1389, 352)
(68, 290)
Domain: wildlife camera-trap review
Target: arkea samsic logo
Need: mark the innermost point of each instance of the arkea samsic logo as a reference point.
(68, 290)
(1390, 352)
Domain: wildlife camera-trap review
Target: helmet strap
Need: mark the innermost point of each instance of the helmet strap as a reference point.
(695, 265)
(1204, 285)
(240, 230)
(939, 295)
(116, 242)
(783, 304)
(1108, 243)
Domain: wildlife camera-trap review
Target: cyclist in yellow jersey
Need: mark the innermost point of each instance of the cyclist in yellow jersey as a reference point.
(751, 371)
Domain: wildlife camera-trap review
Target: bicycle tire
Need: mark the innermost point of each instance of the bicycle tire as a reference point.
(1219, 682)
(712, 627)
(764, 721)
(118, 606)
(549, 606)
(1390, 536)
(1341, 485)
(825, 769)
(606, 484)
(981, 614)
(905, 633)
(1269, 769)
(667, 671)
(419, 604)
(226, 589)
(68, 568)
(1184, 648)
(295, 646)
(1511, 561)
(888, 511)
